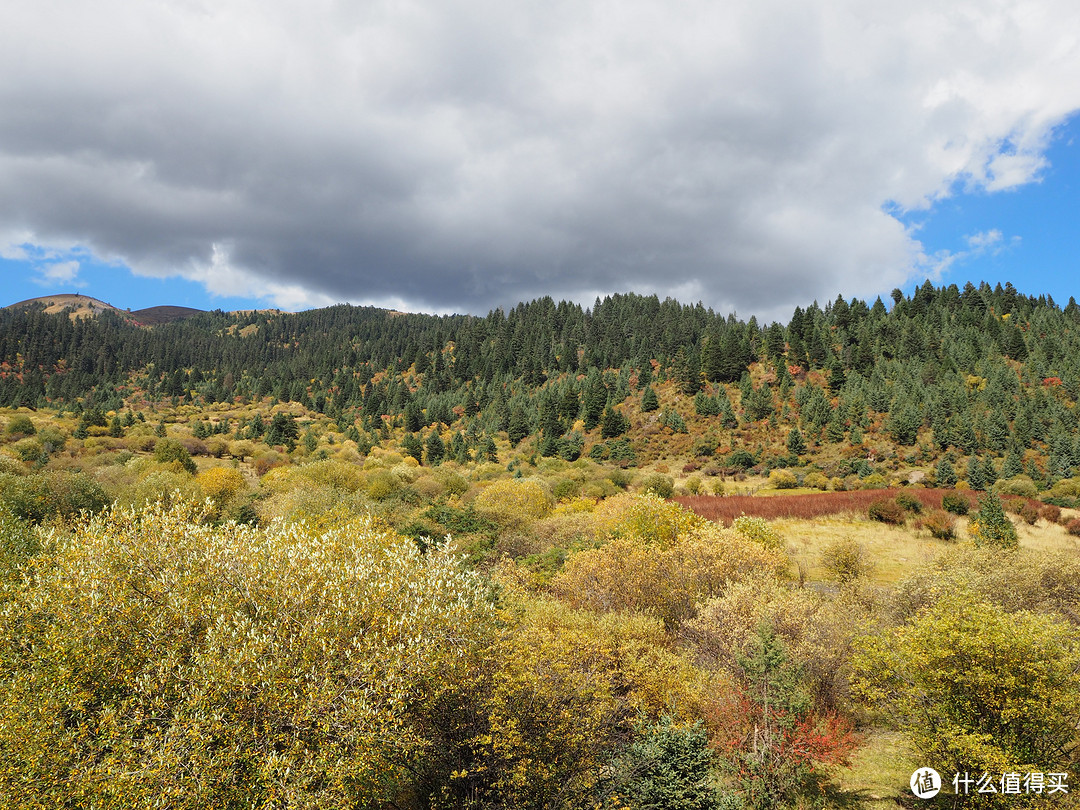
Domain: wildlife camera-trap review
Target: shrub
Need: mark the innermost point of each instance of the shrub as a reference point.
(887, 510)
(37, 497)
(264, 462)
(382, 484)
(991, 526)
(909, 502)
(874, 481)
(973, 683)
(514, 501)
(693, 484)
(816, 480)
(187, 642)
(783, 479)
(167, 450)
(20, 425)
(10, 465)
(658, 484)
(1024, 509)
(670, 581)
(846, 560)
(565, 489)
(221, 484)
(956, 503)
(1020, 485)
(940, 524)
(758, 530)
(1073, 527)
(1050, 513)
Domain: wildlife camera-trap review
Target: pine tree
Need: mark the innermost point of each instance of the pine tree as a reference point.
(945, 475)
(975, 477)
(412, 446)
(649, 400)
(519, 426)
(435, 449)
(795, 443)
(991, 526)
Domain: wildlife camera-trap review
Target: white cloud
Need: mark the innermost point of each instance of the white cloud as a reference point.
(464, 154)
(58, 274)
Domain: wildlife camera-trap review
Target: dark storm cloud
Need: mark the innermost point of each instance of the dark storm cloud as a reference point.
(468, 154)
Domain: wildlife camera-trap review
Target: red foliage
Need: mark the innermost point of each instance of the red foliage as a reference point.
(725, 509)
(1051, 381)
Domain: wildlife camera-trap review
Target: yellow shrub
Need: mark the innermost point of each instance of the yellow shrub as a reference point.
(514, 501)
(630, 573)
(220, 484)
(175, 664)
(644, 518)
(783, 479)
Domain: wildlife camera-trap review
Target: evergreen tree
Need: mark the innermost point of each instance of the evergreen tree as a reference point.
(594, 400)
(519, 426)
(795, 443)
(413, 446)
(975, 476)
(945, 475)
(613, 424)
(649, 400)
(435, 449)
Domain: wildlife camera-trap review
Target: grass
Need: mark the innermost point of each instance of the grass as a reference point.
(894, 550)
(811, 522)
(880, 770)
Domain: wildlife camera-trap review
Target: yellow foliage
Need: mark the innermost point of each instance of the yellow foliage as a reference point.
(567, 688)
(646, 519)
(220, 484)
(514, 501)
(630, 573)
(175, 664)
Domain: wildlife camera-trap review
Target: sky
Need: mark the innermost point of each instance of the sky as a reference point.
(460, 155)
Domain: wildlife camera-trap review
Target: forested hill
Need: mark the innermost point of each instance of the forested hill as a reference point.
(981, 370)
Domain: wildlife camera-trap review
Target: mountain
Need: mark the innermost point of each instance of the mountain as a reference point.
(982, 377)
(154, 316)
(74, 304)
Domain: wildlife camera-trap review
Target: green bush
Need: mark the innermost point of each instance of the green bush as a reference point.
(956, 503)
(658, 484)
(991, 526)
(168, 450)
(783, 479)
(1019, 485)
(846, 560)
(20, 425)
(909, 502)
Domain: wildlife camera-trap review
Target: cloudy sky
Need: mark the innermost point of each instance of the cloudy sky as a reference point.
(457, 155)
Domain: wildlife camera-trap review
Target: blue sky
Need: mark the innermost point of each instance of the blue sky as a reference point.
(460, 155)
(1034, 228)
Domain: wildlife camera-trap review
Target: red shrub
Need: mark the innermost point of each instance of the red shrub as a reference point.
(805, 507)
(1051, 513)
(1073, 527)
(887, 510)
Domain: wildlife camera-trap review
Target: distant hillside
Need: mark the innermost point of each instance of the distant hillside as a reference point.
(77, 306)
(971, 384)
(153, 316)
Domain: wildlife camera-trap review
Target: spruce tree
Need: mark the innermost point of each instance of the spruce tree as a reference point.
(649, 400)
